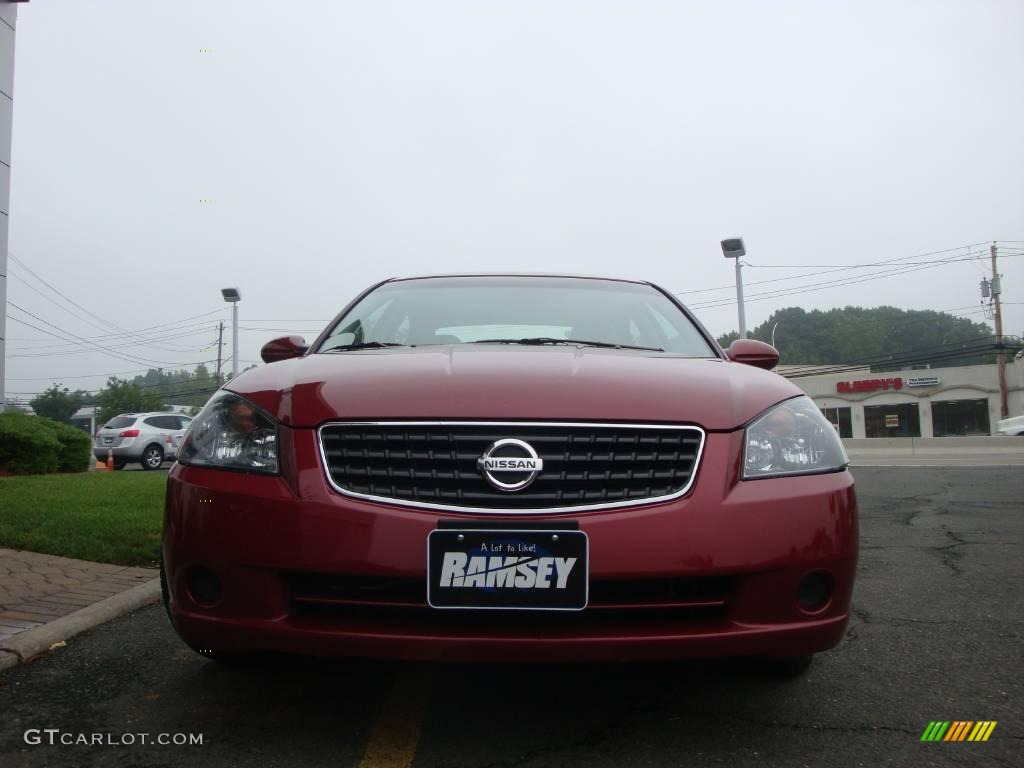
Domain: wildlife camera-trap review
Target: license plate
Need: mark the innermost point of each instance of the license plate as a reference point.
(108, 440)
(539, 570)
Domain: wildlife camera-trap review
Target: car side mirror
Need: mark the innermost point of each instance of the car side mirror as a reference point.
(753, 352)
(284, 348)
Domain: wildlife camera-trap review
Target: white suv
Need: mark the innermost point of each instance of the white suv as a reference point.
(148, 438)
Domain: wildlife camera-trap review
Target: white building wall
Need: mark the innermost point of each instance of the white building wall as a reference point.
(971, 382)
(8, 19)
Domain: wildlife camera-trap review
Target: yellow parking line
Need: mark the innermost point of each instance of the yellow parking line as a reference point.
(393, 741)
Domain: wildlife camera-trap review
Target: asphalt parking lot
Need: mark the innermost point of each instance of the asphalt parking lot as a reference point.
(937, 631)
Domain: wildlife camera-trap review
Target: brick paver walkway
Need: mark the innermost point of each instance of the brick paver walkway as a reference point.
(35, 589)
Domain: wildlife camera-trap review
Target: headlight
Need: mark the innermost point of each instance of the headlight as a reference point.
(231, 433)
(793, 438)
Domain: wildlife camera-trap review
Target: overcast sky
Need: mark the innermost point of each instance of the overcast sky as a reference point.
(344, 142)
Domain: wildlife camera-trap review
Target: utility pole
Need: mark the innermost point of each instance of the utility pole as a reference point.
(997, 289)
(220, 349)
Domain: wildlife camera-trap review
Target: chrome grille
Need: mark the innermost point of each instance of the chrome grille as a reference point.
(586, 466)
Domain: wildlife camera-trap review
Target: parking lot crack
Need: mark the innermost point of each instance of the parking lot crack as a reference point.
(950, 553)
(923, 502)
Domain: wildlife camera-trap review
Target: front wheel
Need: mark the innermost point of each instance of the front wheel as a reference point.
(152, 457)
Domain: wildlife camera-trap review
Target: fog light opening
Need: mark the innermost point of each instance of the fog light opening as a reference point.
(815, 591)
(204, 585)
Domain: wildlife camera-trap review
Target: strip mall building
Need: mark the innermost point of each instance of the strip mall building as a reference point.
(938, 402)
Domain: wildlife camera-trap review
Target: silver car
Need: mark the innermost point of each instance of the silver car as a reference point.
(148, 438)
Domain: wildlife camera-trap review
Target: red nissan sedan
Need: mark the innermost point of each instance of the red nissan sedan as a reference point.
(512, 467)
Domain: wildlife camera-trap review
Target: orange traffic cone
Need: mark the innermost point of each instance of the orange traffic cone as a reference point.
(110, 459)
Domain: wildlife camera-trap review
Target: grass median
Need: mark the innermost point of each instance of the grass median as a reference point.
(106, 517)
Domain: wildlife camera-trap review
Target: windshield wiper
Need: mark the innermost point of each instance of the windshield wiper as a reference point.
(539, 340)
(363, 345)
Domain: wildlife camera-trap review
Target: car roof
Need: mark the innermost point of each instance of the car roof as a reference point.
(541, 275)
(147, 414)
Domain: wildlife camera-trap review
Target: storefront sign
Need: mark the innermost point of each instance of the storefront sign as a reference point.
(869, 385)
(892, 421)
(923, 381)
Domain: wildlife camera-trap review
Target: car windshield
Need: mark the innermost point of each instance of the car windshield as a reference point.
(119, 422)
(528, 310)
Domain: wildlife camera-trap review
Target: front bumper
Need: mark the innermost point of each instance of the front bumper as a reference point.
(263, 536)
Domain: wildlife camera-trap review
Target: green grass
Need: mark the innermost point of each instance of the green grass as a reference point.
(106, 517)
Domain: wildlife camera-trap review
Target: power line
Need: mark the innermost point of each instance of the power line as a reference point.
(897, 363)
(71, 301)
(202, 329)
(110, 336)
(33, 350)
(56, 379)
(801, 277)
(107, 323)
(897, 270)
(174, 325)
(120, 355)
(973, 348)
(57, 304)
(901, 270)
(711, 303)
(837, 268)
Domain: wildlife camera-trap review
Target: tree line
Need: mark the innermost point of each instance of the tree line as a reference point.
(888, 337)
(153, 391)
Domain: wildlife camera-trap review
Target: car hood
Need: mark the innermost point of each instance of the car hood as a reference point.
(500, 382)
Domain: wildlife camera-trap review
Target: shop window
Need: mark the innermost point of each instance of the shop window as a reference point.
(841, 420)
(960, 417)
(899, 420)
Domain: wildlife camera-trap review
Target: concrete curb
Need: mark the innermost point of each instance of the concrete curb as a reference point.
(33, 642)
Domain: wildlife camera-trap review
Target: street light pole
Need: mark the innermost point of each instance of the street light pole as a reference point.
(739, 299)
(233, 296)
(234, 339)
(733, 249)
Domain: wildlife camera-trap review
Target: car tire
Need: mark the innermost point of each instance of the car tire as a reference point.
(152, 457)
(119, 463)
